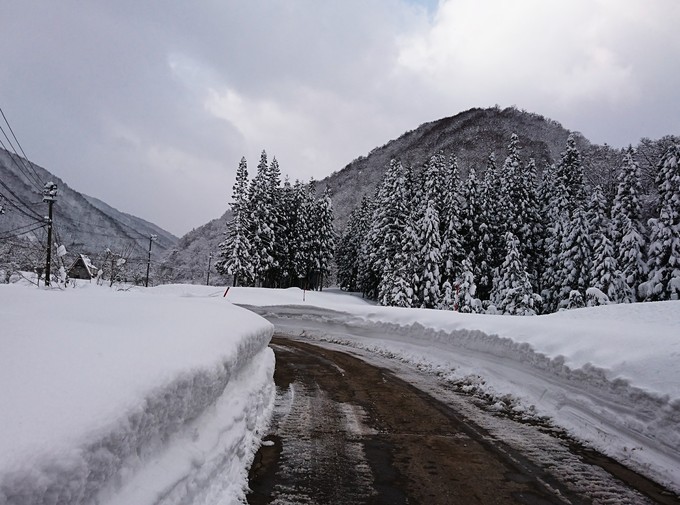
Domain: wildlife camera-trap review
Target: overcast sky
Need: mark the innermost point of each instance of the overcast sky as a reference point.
(149, 105)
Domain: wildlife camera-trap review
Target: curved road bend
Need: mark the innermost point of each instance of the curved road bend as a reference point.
(346, 432)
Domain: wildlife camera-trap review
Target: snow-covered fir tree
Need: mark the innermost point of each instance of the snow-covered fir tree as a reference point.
(384, 239)
(348, 255)
(448, 299)
(569, 172)
(262, 222)
(575, 259)
(470, 217)
(555, 212)
(664, 248)
(513, 293)
(491, 244)
(430, 253)
(532, 229)
(627, 230)
(279, 248)
(324, 234)
(605, 275)
(607, 284)
(466, 300)
(452, 252)
(235, 256)
(304, 255)
(513, 192)
(287, 219)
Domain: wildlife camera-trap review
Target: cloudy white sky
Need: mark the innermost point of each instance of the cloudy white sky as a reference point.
(149, 105)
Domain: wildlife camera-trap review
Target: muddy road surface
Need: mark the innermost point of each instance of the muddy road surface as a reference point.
(347, 432)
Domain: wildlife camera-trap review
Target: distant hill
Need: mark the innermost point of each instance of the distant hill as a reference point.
(83, 224)
(188, 260)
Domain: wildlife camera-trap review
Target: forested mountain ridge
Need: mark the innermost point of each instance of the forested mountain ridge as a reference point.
(471, 136)
(83, 224)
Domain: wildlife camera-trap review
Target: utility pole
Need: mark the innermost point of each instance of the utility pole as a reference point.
(207, 282)
(152, 238)
(49, 196)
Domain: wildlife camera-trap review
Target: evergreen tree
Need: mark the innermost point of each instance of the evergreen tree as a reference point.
(349, 248)
(513, 293)
(513, 193)
(570, 173)
(471, 214)
(664, 249)
(532, 229)
(261, 232)
(325, 234)
(285, 237)
(491, 244)
(466, 300)
(575, 260)
(279, 247)
(235, 252)
(605, 274)
(555, 211)
(448, 300)
(410, 264)
(389, 221)
(627, 230)
(430, 243)
(304, 257)
(452, 252)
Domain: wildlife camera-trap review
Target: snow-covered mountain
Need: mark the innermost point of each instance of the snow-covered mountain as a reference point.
(83, 224)
(471, 136)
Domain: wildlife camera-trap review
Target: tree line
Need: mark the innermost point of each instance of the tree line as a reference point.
(279, 235)
(506, 243)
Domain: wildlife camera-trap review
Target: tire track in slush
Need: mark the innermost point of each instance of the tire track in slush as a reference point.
(346, 432)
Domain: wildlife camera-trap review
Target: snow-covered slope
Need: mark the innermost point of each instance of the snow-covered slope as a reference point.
(131, 397)
(608, 375)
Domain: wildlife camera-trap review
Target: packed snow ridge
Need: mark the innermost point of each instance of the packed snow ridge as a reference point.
(129, 397)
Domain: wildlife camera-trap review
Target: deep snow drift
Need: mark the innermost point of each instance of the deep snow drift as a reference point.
(608, 375)
(140, 397)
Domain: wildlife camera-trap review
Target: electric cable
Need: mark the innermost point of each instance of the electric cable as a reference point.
(40, 182)
(37, 227)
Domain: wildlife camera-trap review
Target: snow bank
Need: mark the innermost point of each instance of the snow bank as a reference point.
(608, 375)
(129, 397)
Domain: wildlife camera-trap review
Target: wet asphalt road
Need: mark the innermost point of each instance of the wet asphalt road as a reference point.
(346, 432)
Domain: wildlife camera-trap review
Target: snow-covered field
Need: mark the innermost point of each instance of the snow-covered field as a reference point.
(607, 375)
(162, 395)
(137, 397)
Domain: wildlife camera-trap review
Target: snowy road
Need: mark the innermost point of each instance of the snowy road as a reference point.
(345, 431)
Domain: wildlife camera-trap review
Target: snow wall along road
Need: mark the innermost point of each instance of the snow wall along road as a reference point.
(129, 397)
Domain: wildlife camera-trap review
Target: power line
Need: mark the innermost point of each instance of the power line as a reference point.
(36, 227)
(30, 214)
(127, 229)
(13, 156)
(40, 182)
(19, 228)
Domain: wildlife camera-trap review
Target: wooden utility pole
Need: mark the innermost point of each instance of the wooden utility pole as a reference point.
(148, 263)
(49, 196)
(207, 282)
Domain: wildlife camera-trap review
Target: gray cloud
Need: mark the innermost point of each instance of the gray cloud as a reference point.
(150, 105)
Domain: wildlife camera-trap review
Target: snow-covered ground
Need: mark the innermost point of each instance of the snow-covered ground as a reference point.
(607, 375)
(137, 397)
(162, 395)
